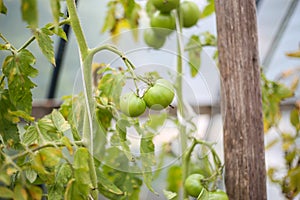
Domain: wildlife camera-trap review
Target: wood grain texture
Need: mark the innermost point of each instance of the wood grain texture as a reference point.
(245, 172)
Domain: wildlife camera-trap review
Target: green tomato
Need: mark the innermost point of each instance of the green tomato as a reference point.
(190, 13)
(132, 105)
(160, 95)
(164, 23)
(217, 195)
(154, 40)
(193, 184)
(165, 5)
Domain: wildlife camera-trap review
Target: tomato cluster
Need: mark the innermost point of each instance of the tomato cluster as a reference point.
(194, 186)
(163, 20)
(157, 97)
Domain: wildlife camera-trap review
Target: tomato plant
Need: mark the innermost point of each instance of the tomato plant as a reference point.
(190, 13)
(83, 148)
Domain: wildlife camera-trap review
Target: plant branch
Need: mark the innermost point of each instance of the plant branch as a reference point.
(24, 153)
(32, 38)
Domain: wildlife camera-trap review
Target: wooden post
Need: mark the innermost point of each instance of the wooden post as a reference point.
(245, 172)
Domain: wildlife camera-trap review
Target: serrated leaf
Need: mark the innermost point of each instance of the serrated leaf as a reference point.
(18, 68)
(169, 195)
(45, 43)
(3, 8)
(55, 8)
(6, 193)
(59, 121)
(29, 10)
(110, 86)
(48, 130)
(194, 49)
(8, 128)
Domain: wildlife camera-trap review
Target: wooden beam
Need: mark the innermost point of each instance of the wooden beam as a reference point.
(245, 172)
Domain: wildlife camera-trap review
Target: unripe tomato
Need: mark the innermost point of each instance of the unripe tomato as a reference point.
(189, 11)
(160, 95)
(154, 40)
(165, 5)
(193, 184)
(132, 105)
(164, 22)
(217, 195)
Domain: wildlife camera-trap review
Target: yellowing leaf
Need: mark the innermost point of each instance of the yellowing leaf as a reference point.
(50, 156)
(119, 26)
(295, 54)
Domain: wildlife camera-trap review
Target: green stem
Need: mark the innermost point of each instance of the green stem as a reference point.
(180, 112)
(76, 27)
(32, 38)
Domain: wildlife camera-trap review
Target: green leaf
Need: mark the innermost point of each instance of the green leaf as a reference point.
(55, 8)
(63, 174)
(18, 68)
(3, 8)
(48, 130)
(31, 175)
(35, 192)
(4, 177)
(107, 185)
(169, 195)
(61, 33)
(110, 86)
(74, 191)
(29, 10)
(8, 128)
(295, 118)
(148, 159)
(59, 121)
(294, 176)
(81, 166)
(20, 193)
(22, 114)
(174, 178)
(50, 156)
(121, 127)
(73, 109)
(208, 9)
(156, 120)
(194, 49)
(6, 193)
(45, 43)
(110, 19)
